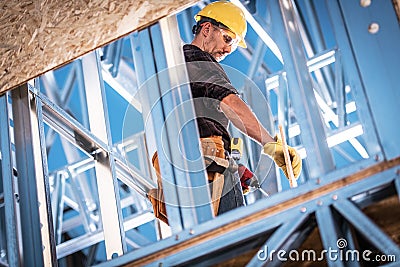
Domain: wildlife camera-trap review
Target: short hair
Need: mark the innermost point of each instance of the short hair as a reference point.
(197, 27)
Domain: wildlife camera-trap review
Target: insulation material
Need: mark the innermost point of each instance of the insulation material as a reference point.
(39, 35)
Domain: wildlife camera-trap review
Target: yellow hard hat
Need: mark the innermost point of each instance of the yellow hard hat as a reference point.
(228, 14)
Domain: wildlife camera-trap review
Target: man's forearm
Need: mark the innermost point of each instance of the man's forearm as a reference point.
(240, 114)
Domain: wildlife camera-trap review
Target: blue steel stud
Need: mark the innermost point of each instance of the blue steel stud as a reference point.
(377, 54)
(180, 133)
(367, 228)
(147, 82)
(104, 164)
(37, 232)
(318, 42)
(9, 190)
(328, 229)
(163, 102)
(352, 75)
(277, 240)
(313, 135)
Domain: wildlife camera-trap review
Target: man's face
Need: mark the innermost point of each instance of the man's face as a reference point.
(220, 42)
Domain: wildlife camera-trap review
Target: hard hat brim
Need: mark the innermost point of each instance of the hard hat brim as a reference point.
(242, 43)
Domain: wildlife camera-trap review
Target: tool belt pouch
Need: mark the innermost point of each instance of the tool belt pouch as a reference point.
(158, 204)
(214, 154)
(214, 158)
(156, 195)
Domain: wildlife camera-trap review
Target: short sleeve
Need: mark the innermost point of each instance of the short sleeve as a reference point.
(209, 80)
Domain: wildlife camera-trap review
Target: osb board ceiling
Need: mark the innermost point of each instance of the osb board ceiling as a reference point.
(39, 35)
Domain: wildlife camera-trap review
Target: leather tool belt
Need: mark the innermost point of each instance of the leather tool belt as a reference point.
(216, 164)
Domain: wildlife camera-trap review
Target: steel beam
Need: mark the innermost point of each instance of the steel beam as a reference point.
(397, 184)
(181, 129)
(224, 231)
(375, 37)
(114, 235)
(262, 166)
(313, 135)
(352, 76)
(261, 32)
(57, 204)
(367, 228)
(277, 240)
(124, 83)
(314, 63)
(37, 228)
(351, 243)
(69, 128)
(328, 229)
(166, 102)
(324, 75)
(84, 241)
(112, 56)
(61, 98)
(140, 42)
(9, 187)
(133, 177)
(87, 141)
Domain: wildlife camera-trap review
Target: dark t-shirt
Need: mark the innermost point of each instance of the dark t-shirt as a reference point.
(209, 85)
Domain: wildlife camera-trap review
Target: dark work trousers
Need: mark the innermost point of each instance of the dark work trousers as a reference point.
(232, 194)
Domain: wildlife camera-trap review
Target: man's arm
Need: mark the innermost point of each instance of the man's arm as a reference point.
(240, 114)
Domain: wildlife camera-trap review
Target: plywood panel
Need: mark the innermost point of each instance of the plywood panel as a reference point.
(39, 35)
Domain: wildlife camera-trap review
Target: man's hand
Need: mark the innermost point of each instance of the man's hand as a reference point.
(247, 179)
(275, 151)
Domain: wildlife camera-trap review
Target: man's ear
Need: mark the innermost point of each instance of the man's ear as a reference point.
(205, 28)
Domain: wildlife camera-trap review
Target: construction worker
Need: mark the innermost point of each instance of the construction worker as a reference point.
(221, 27)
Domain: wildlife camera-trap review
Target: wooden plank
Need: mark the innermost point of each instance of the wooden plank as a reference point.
(39, 35)
(245, 221)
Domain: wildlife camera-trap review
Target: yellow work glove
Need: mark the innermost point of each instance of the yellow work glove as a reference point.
(275, 151)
